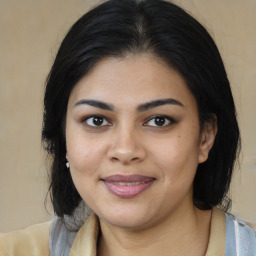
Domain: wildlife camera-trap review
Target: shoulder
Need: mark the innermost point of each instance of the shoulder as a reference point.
(240, 238)
(33, 239)
(61, 236)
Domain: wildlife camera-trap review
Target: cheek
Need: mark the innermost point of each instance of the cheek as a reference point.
(84, 153)
(177, 157)
(85, 164)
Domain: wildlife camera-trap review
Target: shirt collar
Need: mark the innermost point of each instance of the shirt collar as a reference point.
(216, 244)
(86, 240)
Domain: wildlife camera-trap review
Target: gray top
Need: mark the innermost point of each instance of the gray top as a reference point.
(240, 238)
(61, 239)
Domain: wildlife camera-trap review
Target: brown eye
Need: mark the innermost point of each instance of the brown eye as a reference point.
(159, 121)
(96, 121)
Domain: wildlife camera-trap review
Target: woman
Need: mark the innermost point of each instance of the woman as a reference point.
(141, 126)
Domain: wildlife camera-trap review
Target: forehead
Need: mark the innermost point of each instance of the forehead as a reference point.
(132, 80)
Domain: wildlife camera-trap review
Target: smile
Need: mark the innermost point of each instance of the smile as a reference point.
(127, 186)
(128, 183)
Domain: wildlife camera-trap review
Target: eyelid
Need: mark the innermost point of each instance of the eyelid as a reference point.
(85, 119)
(170, 119)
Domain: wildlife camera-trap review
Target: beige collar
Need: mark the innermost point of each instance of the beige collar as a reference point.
(86, 240)
(217, 239)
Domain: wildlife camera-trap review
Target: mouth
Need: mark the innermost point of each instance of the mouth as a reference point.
(127, 186)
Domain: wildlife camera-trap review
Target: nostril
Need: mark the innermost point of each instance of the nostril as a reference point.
(125, 154)
(125, 160)
(115, 159)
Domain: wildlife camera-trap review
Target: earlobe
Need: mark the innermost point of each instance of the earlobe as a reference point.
(208, 135)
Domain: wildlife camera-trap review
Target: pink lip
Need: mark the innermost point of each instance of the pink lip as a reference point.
(127, 186)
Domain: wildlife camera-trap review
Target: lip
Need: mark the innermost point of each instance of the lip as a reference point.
(127, 186)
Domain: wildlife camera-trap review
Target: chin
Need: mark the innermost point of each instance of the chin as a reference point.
(126, 219)
(129, 223)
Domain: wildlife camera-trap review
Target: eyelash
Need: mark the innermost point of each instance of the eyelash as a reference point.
(85, 120)
(106, 122)
(169, 119)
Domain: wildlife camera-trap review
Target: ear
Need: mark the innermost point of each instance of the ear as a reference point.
(208, 135)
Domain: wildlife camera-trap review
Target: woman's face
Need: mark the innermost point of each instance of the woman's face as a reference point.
(134, 141)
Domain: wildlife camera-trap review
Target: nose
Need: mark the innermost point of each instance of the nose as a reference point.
(126, 147)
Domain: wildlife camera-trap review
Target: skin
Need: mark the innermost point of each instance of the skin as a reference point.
(162, 219)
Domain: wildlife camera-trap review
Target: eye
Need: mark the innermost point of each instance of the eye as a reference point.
(159, 121)
(96, 121)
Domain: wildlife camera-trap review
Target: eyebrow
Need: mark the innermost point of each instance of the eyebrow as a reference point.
(96, 103)
(157, 103)
(143, 107)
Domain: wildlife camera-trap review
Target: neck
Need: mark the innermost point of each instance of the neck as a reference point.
(183, 233)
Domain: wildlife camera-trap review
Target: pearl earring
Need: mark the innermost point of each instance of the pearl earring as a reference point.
(67, 164)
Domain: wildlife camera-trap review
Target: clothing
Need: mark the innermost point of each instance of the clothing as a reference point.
(31, 241)
(228, 237)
